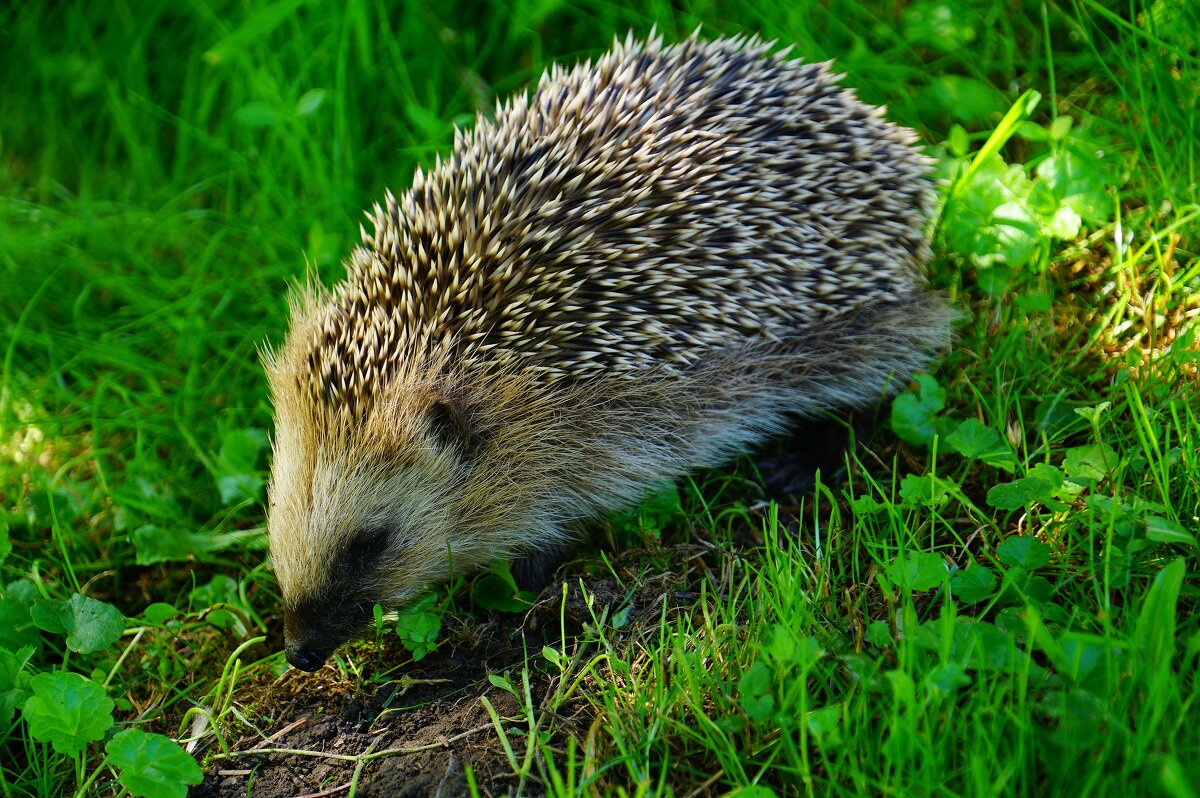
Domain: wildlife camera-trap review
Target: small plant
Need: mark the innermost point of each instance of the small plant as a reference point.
(65, 711)
(496, 589)
(661, 506)
(1003, 216)
(419, 624)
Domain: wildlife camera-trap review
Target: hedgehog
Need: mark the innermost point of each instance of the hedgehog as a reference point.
(651, 264)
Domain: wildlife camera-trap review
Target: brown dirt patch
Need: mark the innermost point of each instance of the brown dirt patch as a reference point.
(430, 709)
(432, 713)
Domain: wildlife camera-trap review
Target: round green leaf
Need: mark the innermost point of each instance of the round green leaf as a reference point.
(67, 711)
(1020, 493)
(52, 615)
(971, 438)
(825, 724)
(95, 625)
(1025, 552)
(14, 682)
(878, 634)
(157, 544)
(17, 627)
(976, 441)
(493, 593)
(1090, 464)
(89, 625)
(755, 688)
(913, 412)
(967, 98)
(152, 765)
(921, 570)
(978, 645)
(925, 490)
(945, 680)
(972, 585)
(159, 612)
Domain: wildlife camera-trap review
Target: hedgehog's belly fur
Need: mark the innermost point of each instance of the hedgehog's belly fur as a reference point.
(644, 271)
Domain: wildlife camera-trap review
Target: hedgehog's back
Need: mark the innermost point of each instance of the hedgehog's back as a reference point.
(644, 210)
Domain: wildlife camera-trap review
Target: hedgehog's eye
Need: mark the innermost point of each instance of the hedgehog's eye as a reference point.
(364, 549)
(452, 427)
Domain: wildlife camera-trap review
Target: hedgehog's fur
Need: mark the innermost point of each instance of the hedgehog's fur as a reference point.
(643, 269)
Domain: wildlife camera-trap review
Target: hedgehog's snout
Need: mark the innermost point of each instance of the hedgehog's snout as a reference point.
(305, 658)
(312, 634)
(305, 651)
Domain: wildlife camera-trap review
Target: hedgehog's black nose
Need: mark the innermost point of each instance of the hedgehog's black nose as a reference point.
(306, 659)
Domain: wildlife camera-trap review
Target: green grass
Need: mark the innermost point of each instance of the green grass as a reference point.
(1001, 597)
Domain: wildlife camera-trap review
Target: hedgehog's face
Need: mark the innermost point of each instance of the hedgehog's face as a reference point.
(364, 514)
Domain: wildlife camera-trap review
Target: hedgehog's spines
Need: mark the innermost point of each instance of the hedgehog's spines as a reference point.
(656, 166)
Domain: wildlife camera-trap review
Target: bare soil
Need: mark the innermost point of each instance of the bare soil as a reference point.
(430, 715)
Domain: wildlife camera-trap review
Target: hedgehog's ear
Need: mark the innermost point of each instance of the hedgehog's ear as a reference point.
(451, 425)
